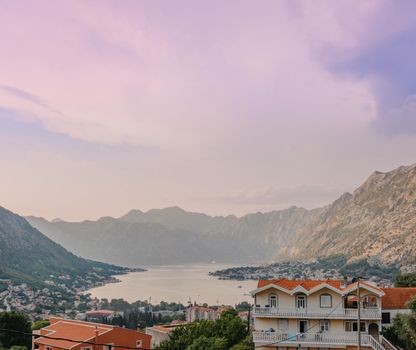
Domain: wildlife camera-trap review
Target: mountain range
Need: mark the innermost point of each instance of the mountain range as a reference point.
(26, 255)
(377, 221)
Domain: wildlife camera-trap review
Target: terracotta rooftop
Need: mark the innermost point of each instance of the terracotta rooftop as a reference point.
(396, 298)
(310, 284)
(62, 328)
(292, 284)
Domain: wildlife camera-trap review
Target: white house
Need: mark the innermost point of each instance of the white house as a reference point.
(317, 314)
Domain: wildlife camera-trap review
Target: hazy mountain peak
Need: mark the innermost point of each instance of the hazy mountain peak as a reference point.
(57, 220)
(378, 219)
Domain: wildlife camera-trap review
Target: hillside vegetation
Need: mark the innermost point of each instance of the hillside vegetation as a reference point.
(26, 255)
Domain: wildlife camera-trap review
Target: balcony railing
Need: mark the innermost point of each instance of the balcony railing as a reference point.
(369, 314)
(318, 339)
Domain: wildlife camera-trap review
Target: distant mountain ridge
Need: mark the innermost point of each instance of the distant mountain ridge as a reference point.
(26, 255)
(377, 221)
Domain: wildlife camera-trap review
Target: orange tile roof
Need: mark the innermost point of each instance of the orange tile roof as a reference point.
(310, 284)
(292, 284)
(70, 329)
(396, 298)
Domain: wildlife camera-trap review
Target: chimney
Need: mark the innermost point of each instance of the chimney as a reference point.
(344, 283)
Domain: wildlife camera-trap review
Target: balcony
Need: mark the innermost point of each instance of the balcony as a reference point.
(314, 339)
(339, 313)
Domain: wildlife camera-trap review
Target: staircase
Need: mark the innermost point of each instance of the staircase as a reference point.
(369, 340)
(387, 345)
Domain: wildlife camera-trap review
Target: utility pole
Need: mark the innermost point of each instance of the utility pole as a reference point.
(96, 337)
(359, 313)
(248, 318)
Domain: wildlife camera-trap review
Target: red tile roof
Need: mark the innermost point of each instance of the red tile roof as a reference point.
(70, 329)
(396, 298)
(292, 284)
(310, 284)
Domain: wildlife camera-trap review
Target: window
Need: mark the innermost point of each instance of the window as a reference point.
(351, 326)
(283, 324)
(273, 300)
(324, 325)
(48, 348)
(108, 347)
(138, 344)
(385, 317)
(326, 300)
(301, 301)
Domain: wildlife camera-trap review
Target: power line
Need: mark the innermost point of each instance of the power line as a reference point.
(70, 340)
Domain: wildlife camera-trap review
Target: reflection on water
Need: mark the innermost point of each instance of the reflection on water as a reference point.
(178, 284)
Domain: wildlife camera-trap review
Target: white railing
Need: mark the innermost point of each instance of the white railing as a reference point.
(373, 342)
(319, 339)
(387, 344)
(318, 313)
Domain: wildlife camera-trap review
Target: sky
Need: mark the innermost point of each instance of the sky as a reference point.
(222, 107)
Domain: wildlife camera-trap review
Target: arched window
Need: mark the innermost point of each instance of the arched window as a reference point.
(325, 300)
(273, 300)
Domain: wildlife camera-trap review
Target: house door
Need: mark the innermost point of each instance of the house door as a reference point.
(303, 326)
(373, 330)
(301, 302)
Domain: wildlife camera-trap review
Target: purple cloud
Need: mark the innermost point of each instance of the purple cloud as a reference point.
(386, 57)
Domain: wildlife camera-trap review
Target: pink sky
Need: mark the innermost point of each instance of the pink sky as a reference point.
(225, 107)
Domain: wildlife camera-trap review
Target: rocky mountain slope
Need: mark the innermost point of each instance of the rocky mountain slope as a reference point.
(378, 220)
(26, 255)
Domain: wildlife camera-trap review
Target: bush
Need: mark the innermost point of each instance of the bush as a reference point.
(405, 280)
(228, 332)
(18, 322)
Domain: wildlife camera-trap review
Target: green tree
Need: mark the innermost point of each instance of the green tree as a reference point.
(208, 343)
(405, 280)
(119, 305)
(40, 324)
(243, 346)
(403, 331)
(18, 322)
(222, 334)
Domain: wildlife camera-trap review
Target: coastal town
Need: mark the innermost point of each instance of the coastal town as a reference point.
(309, 313)
(320, 269)
(207, 175)
(55, 298)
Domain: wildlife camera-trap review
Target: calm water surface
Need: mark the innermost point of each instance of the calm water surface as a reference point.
(177, 284)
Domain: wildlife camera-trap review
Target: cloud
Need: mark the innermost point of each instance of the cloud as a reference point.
(23, 94)
(175, 77)
(187, 102)
(384, 56)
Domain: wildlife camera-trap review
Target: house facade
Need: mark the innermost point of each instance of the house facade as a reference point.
(161, 333)
(67, 334)
(313, 314)
(195, 313)
(395, 302)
